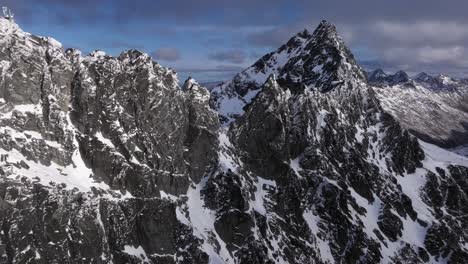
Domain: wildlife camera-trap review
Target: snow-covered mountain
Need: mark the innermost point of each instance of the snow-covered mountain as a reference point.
(92, 148)
(108, 160)
(379, 77)
(317, 60)
(435, 108)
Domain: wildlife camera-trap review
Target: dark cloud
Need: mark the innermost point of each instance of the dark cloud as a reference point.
(232, 56)
(272, 38)
(166, 54)
(208, 74)
(430, 35)
(370, 65)
(116, 44)
(246, 12)
(426, 45)
(218, 68)
(429, 45)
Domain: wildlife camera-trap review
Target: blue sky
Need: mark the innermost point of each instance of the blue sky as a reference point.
(212, 40)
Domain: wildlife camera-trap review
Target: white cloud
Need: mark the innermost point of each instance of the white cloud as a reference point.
(432, 46)
(433, 32)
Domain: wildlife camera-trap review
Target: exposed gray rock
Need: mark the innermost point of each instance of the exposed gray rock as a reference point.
(433, 108)
(119, 133)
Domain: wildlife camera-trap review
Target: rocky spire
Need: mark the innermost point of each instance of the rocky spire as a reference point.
(377, 74)
(325, 30)
(400, 76)
(380, 78)
(319, 61)
(423, 77)
(324, 62)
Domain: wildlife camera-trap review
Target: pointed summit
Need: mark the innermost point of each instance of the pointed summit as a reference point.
(400, 77)
(380, 78)
(377, 75)
(423, 77)
(189, 83)
(324, 62)
(319, 61)
(196, 92)
(326, 34)
(325, 28)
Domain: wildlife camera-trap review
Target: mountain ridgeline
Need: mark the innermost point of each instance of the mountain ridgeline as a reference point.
(434, 108)
(107, 160)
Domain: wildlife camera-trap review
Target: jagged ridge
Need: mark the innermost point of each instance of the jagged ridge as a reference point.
(434, 108)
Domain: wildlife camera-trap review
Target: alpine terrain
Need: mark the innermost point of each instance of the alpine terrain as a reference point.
(434, 108)
(107, 160)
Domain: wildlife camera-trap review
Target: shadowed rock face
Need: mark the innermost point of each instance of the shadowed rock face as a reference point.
(108, 160)
(320, 59)
(118, 132)
(380, 78)
(166, 135)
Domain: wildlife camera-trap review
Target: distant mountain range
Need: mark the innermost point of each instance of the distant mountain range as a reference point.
(434, 108)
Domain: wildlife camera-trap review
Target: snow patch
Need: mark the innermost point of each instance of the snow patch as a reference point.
(202, 222)
(261, 195)
(104, 140)
(323, 246)
(137, 252)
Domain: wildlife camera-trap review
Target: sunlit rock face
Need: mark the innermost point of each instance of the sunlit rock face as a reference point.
(108, 160)
(433, 108)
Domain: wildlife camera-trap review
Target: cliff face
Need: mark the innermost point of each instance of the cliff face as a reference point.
(108, 160)
(91, 149)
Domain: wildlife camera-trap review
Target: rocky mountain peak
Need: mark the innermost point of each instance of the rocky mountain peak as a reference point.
(319, 61)
(325, 30)
(294, 42)
(400, 76)
(323, 62)
(378, 73)
(98, 54)
(134, 57)
(196, 91)
(377, 76)
(445, 79)
(423, 77)
(189, 83)
(6, 23)
(439, 83)
(380, 78)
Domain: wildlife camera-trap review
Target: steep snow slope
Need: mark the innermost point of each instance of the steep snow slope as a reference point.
(433, 108)
(305, 60)
(461, 150)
